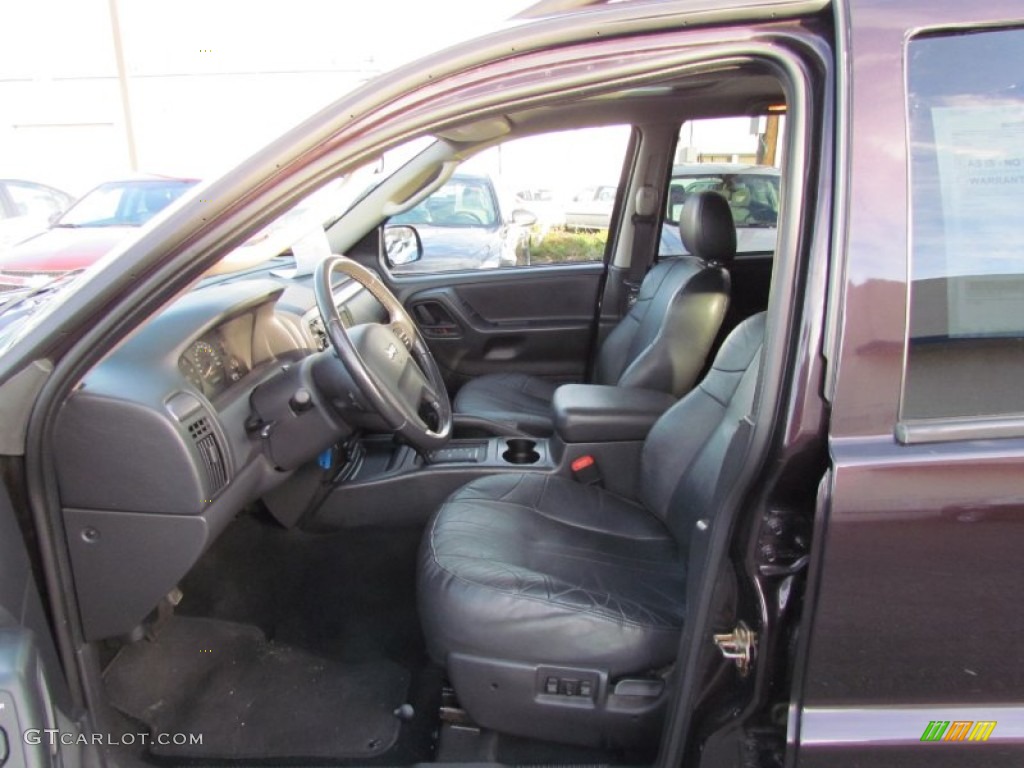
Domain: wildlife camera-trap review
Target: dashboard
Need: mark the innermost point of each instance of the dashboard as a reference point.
(186, 422)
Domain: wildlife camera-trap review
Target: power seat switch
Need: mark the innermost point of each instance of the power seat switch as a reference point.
(568, 686)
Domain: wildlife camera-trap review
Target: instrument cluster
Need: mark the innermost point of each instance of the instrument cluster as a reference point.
(209, 366)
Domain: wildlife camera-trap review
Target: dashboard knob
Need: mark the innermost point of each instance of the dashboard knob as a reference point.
(301, 401)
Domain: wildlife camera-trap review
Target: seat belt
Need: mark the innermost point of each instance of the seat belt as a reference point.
(645, 220)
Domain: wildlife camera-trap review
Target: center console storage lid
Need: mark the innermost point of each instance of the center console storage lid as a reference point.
(595, 413)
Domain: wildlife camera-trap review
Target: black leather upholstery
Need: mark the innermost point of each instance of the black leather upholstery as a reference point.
(532, 566)
(593, 413)
(661, 344)
(538, 569)
(522, 401)
(707, 228)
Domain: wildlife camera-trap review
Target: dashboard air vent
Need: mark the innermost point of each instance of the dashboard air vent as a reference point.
(209, 451)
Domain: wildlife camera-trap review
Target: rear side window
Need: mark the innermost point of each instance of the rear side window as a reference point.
(737, 158)
(965, 355)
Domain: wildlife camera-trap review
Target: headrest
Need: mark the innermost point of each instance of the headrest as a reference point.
(707, 228)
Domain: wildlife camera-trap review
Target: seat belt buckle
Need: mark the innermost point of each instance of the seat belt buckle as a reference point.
(586, 471)
(632, 291)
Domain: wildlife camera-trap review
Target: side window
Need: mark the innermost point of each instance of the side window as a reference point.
(534, 201)
(30, 200)
(737, 157)
(965, 355)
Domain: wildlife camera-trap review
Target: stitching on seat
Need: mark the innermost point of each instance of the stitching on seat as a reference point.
(620, 561)
(512, 490)
(654, 623)
(519, 505)
(606, 615)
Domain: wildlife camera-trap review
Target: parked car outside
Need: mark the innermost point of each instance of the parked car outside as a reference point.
(752, 192)
(463, 225)
(545, 205)
(88, 229)
(591, 207)
(232, 504)
(27, 207)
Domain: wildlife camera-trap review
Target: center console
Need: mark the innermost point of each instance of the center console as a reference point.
(374, 479)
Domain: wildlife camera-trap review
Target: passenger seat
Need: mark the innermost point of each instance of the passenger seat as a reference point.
(661, 344)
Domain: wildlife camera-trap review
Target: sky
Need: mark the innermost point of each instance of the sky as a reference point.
(209, 81)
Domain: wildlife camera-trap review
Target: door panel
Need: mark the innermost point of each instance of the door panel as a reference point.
(536, 321)
(528, 321)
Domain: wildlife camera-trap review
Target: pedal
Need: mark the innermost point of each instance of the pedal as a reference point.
(451, 712)
(164, 612)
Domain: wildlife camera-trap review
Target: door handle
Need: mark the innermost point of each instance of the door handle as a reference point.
(435, 321)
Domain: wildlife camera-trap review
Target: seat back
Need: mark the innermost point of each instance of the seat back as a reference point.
(664, 340)
(685, 451)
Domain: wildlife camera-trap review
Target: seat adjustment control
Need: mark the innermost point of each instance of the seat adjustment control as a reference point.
(569, 686)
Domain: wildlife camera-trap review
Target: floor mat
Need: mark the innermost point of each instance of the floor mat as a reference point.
(254, 698)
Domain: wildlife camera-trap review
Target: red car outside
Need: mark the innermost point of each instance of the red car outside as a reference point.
(89, 229)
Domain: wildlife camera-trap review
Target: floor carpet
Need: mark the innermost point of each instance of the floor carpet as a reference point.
(289, 646)
(251, 698)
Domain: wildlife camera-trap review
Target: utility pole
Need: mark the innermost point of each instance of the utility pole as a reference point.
(769, 143)
(122, 80)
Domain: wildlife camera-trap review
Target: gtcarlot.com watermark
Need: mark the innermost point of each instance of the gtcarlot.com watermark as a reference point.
(52, 737)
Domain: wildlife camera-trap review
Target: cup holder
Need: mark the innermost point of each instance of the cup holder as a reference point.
(521, 451)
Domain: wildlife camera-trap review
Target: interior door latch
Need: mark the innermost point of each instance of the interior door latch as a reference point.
(740, 645)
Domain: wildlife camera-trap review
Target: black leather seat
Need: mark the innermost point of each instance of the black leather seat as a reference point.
(527, 578)
(661, 344)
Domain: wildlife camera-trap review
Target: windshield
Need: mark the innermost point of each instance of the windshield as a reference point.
(124, 203)
(281, 237)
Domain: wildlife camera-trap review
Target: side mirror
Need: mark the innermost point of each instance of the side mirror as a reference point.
(523, 218)
(402, 245)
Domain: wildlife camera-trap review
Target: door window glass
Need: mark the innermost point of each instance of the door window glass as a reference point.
(528, 202)
(965, 352)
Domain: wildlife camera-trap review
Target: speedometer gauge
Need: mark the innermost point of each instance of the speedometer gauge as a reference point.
(188, 368)
(207, 360)
(208, 363)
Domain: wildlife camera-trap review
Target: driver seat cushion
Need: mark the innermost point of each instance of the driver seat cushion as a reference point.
(517, 399)
(542, 568)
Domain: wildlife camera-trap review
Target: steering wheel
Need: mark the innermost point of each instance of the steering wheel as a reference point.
(463, 218)
(390, 362)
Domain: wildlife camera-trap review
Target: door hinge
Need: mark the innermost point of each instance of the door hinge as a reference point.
(740, 645)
